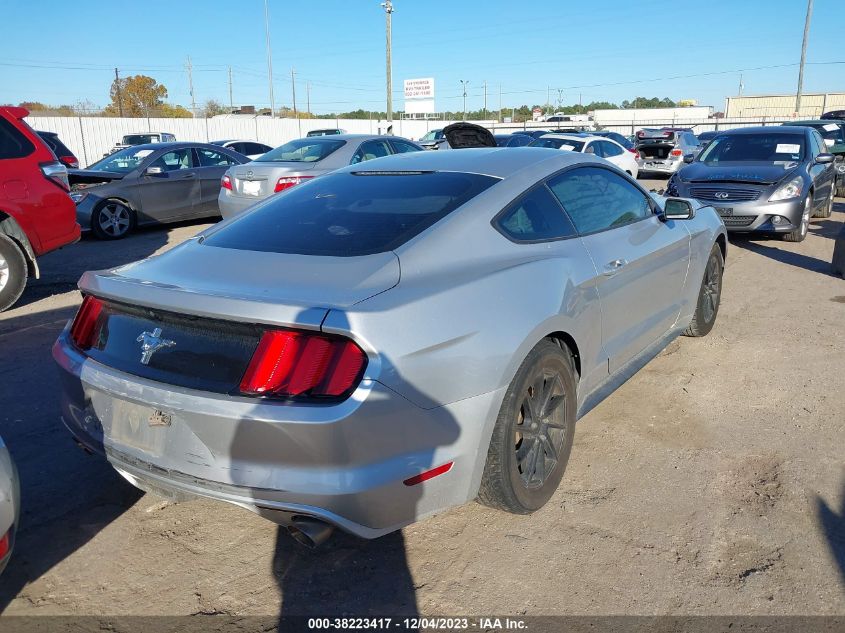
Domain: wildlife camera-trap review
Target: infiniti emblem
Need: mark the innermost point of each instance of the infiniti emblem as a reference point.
(722, 195)
(249, 175)
(151, 342)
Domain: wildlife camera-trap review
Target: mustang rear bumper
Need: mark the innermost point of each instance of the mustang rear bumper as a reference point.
(345, 463)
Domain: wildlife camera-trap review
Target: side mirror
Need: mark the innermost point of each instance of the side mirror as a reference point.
(824, 159)
(154, 171)
(688, 158)
(677, 209)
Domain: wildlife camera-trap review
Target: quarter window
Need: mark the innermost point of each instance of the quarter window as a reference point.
(610, 149)
(534, 217)
(13, 144)
(597, 199)
(402, 146)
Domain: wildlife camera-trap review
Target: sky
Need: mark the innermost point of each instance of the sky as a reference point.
(589, 50)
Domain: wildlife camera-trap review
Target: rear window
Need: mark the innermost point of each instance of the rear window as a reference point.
(350, 214)
(559, 143)
(13, 144)
(140, 139)
(303, 150)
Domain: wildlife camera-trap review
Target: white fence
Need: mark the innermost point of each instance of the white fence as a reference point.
(91, 137)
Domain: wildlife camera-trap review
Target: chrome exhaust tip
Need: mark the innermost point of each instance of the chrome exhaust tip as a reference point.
(309, 532)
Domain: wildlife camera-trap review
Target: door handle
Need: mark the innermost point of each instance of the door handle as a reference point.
(611, 268)
(191, 175)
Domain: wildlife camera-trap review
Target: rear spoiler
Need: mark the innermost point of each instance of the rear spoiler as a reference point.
(16, 111)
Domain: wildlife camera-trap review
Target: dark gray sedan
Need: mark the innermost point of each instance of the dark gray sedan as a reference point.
(150, 184)
(762, 179)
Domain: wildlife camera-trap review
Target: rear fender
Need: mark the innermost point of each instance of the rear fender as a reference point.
(11, 229)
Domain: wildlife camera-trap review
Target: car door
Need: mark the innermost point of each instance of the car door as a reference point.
(370, 150)
(212, 165)
(172, 189)
(641, 261)
(823, 175)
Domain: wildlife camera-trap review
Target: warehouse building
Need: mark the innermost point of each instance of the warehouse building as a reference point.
(758, 107)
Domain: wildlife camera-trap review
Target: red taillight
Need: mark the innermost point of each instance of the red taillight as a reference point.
(5, 543)
(429, 474)
(634, 151)
(56, 173)
(83, 332)
(677, 152)
(288, 363)
(226, 183)
(69, 161)
(290, 181)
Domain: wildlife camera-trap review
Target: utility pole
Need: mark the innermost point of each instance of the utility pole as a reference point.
(269, 57)
(117, 89)
(191, 87)
(293, 90)
(500, 103)
(741, 86)
(308, 97)
(803, 57)
(559, 98)
(548, 98)
(485, 99)
(388, 11)
(231, 102)
(464, 86)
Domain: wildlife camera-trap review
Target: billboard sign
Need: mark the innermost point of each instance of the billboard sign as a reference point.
(419, 95)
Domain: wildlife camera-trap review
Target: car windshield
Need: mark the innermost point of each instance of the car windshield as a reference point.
(348, 214)
(766, 147)
(122, 161)
(433, 135)
(558, 143)
(140, 139)
(303, 150)
(831, 132)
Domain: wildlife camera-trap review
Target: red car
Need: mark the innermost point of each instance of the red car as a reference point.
(36, 212)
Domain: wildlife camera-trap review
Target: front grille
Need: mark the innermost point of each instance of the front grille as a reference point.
(739, 220)
(733, 195)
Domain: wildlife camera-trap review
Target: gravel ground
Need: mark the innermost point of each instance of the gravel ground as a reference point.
(712, 482)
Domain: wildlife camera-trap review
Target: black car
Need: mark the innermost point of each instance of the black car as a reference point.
(615, 136)
(535, 133)
(834, 114)
(513, 140)
(61, 150)
(762, 179)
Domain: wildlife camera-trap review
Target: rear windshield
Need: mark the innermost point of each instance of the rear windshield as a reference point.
(303, 150)
(765, 147)
(349, 214)
(559, 143)
(122, 161)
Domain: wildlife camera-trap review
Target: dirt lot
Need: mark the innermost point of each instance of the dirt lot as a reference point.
(713, 482)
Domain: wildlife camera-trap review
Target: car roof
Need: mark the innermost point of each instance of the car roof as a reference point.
(570, 137)
(814, 122)
(499, 162)
(780, 129)
(176, 145)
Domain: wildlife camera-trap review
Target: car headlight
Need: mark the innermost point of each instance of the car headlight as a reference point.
(78, 196)
(788, 190)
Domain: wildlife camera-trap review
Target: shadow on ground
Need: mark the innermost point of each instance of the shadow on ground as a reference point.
(833, 524)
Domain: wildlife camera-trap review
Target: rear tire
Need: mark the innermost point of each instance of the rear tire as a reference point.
(800, 233)
(13, 272)
(709, 296)
(534, 432)
(112, 220)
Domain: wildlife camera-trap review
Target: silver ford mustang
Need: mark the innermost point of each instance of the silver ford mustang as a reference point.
(395, 338)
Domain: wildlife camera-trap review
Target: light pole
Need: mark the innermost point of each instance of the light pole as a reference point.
(803, 57)
(269, 57)
(388, 10)
(464, 87)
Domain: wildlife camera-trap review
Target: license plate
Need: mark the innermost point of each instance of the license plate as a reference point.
(251, 187)
(725, 212)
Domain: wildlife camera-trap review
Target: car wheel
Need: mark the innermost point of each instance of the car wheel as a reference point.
(709, 295)
(800, 233)
(827, 210)
(13, 272)
(112, 220)
(533, 434)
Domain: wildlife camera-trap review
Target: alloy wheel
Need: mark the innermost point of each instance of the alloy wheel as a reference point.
(4, 273)
(712, 289)
(805, 217)
(114, 219)
(540, 428)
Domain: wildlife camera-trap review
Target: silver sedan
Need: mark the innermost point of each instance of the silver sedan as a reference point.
(299, 161)
(10, 505)
(390, 340)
